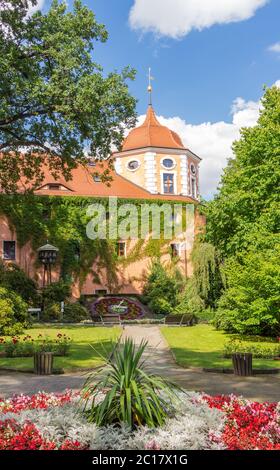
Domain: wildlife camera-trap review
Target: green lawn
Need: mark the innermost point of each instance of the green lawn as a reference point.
(202, 346)
(81, 355)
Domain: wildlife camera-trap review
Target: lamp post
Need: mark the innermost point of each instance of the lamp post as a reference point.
(47, 254)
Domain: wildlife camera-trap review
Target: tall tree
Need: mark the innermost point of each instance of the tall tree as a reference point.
(248, 200)
(244, 223)
(55, 101)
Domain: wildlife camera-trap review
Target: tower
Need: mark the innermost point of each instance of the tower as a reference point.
(155, 158)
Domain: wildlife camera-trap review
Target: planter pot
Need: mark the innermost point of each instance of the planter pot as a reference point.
(242, 364)
(43, 363)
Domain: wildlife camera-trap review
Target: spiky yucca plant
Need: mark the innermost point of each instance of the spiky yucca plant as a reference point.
(126, 393)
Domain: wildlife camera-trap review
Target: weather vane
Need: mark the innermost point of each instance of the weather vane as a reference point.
(150, 89)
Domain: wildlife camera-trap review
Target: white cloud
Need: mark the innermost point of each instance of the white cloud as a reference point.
(39, 6)
(213, 141)
(176, 18)
(275, 48)
(5, 5)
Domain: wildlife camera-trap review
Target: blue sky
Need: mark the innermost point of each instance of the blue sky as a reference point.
(199, 74)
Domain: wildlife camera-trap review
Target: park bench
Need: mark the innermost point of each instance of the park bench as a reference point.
(186, 319)
(173, 319)
(111, 320)
(97, 318)
(34, 313)
(189, 319)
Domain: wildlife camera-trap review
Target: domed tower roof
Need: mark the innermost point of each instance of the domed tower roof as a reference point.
(152, 134)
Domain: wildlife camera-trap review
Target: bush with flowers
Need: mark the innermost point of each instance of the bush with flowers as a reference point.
(54, 421)
(27, 346)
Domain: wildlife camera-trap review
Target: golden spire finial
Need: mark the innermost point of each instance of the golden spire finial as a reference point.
(150, 88)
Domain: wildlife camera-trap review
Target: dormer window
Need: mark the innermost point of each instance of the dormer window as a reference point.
(97, 178)
(54, 186)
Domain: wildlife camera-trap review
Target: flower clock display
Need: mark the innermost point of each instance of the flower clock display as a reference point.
(39, 422)
(127, 309)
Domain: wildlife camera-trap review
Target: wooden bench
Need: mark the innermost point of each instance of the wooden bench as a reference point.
(186, 319)
(189, 319)
(97, 319)
(173, 320)
(111, 320)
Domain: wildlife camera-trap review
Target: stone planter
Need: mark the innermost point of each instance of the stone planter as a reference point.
(43, 363)
(242, 364)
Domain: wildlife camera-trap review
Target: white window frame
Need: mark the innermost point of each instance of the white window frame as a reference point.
(163, 172)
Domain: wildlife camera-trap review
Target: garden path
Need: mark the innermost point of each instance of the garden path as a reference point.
(159, 360)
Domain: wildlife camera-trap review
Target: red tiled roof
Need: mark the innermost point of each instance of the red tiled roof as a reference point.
(152, 134)
(83, 184)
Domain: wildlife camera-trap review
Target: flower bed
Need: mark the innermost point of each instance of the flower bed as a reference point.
(27, 346)
(126, 308)
(51, 421)
(248, 426)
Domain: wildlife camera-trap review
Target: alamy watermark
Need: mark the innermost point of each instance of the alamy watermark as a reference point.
(141, 221)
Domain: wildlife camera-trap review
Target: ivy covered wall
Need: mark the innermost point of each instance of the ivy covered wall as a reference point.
(62, 220)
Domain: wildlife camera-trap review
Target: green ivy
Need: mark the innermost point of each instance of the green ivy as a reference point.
(62, 220)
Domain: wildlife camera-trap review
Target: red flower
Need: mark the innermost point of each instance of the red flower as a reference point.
(247, 423)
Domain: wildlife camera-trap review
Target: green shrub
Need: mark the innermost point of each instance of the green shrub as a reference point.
(251, 303)
(126, 394)
(205, 316)
(75, 313)
(13, 313)
(52, 312)
(258, 350)
(13, 278)
(207, 276)
(160, 306)
(56, 292)
(189, 300)
(161, 289)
